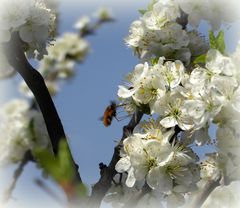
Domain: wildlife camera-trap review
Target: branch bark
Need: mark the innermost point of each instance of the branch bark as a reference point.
(16, 57)
(204, 193)
(101, 187)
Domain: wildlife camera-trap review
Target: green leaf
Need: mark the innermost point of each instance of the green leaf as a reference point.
(217, 42)
(48, 162)
(142, 11)
(150, 6)
(60, 168)
(81, 190)
(66, 165)
(200, 59)
(212, 39)
(154, 61)
(220, 43)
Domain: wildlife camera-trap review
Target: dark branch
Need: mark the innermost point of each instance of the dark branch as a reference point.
(16, 57)
(183, 20)
(101, 187)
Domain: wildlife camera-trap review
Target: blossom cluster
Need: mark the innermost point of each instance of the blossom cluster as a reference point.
(21, 129)
(148, 155)
(158, 33)
(215, 12)
(162, 30)
(191, 101)
(85, 26)
(225, 81)
(60, 61)
(189, 85)
(32, 20)
(66, 50)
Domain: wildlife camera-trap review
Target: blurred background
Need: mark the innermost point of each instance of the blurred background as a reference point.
(83, 99)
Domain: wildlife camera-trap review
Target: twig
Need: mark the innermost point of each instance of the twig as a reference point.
(34, 80)
(183, 20)
(49, 191)
(91, 30)
(201, 197)
(101, 187)
(17, 173)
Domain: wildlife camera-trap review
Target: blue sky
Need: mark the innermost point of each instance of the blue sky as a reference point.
(83, 99)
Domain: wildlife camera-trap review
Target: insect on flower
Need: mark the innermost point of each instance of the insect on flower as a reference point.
(110, 113)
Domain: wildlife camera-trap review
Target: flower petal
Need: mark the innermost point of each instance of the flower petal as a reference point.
(158, 179)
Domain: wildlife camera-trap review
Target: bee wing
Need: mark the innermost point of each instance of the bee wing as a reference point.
(128, 133)
(100, 118)
(121, 118)
(112, 102)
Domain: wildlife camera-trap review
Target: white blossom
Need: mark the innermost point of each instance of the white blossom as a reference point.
(32, 20)
(22, 129)
(172, 73)
(171, 110)
(211, 11)
(104, 14)
(150, 83)
(6, 70)
(224, 196)
(62, 55)
(82, 23)
(161, 13)
(14, 13)
(149, 156)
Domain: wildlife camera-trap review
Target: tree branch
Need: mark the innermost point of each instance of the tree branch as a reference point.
(183, 20)
(101, 187)
(17, 173)
(34, 80)
(201, 197)
(48, 191)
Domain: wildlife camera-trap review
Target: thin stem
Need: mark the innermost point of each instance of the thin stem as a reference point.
(17, 173)
(49, 191)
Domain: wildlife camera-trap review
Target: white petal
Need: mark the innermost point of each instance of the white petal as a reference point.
(158, 179)
(140, 172)
(130, 179)
(168, 122)
(123, 92)
(236, 101)
(26, 34)
(123, 165)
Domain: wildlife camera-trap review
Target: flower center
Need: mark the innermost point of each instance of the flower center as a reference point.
(176, 112)
(151, 163)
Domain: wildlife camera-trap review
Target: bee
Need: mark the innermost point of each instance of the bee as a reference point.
(109, 113)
